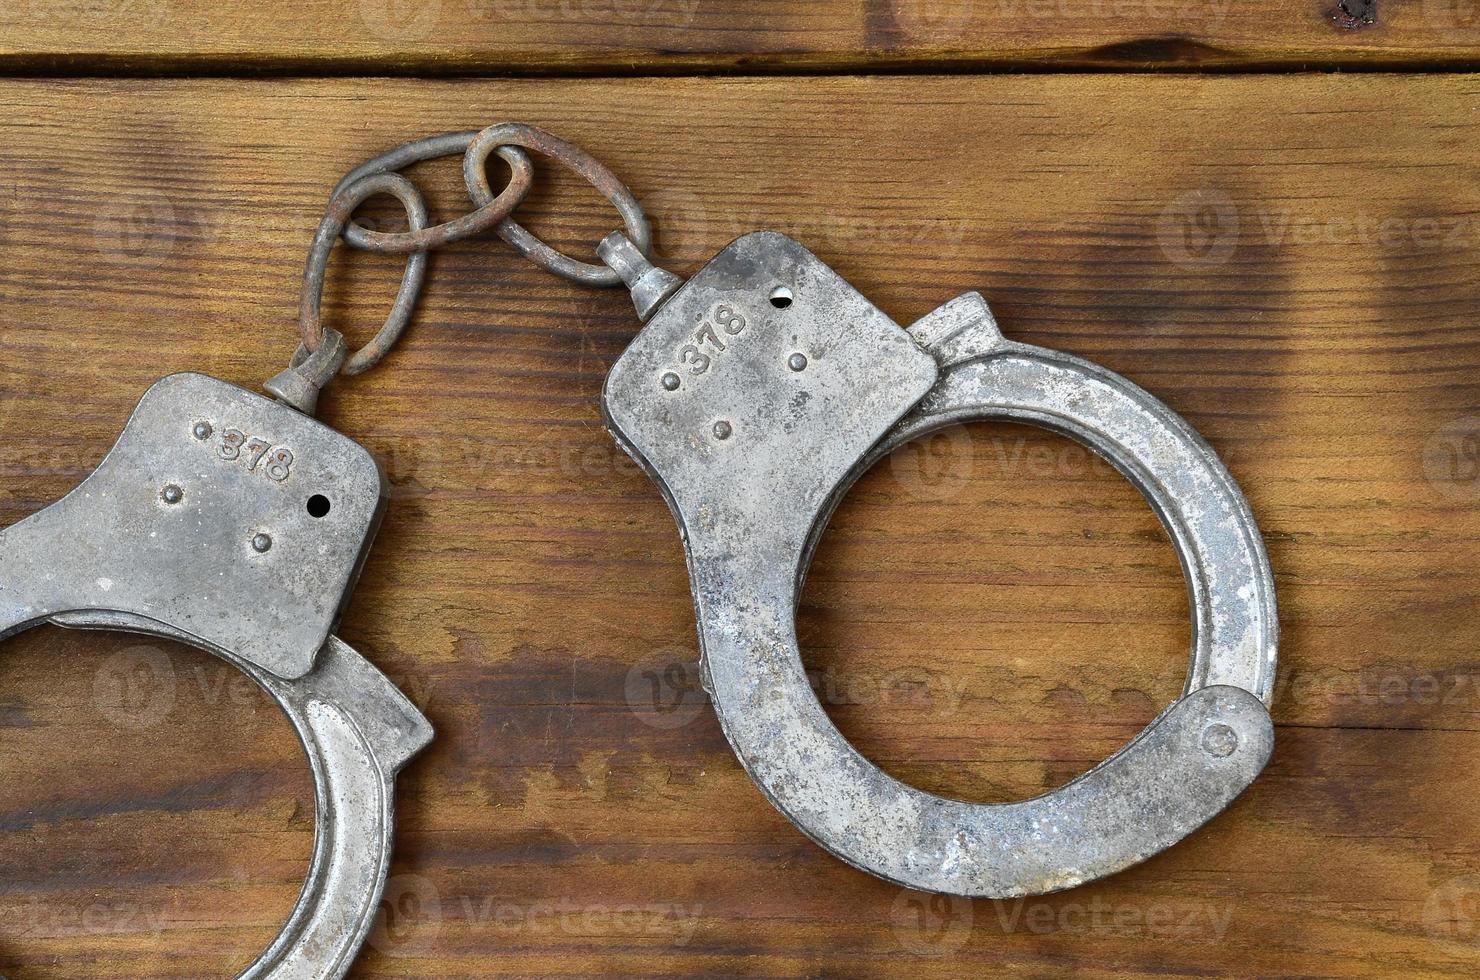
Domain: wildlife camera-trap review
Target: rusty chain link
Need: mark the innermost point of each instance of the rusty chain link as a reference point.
(307, 374)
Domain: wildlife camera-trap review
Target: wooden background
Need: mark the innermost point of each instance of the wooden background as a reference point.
(1291, 260)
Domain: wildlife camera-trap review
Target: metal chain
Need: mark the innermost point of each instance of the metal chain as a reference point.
(321, 356)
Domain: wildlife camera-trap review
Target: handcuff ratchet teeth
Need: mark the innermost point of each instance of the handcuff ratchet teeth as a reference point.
(234, 523)
(757, 393)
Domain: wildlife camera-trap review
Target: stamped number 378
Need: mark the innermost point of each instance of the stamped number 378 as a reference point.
(725, 321)
(236, 444)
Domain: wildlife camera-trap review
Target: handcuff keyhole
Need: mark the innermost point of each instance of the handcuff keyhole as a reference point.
(781, 297)
(318, 506)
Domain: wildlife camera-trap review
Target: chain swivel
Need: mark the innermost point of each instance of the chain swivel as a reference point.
(650, 285)
(309, 372)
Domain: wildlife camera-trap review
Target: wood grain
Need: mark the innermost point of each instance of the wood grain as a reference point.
(438, 37)
(1291, 262)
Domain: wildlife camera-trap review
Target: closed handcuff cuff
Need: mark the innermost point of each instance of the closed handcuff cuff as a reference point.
(755, 394)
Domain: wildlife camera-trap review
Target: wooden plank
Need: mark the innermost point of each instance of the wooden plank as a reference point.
(644, 36)
(1290, 262)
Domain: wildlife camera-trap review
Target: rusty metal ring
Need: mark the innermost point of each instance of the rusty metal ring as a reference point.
(489, 213)
(344, 203)
(524, 241)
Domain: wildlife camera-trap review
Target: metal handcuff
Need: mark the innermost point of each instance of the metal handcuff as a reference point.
(238, 525)
(757, 392)
(755, 395)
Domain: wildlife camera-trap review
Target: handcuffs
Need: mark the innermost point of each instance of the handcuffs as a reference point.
(239, 525)
(757, 393)
(754, 396)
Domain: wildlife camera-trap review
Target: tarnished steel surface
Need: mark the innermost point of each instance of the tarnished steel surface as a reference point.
(227, 521)
(171, 526)
(755, 396)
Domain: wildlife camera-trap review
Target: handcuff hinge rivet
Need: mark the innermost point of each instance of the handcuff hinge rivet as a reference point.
(1219, 741)
(262, 543)
(172, 494)
(797, 361)
(722, 429)
(202, 431)
(671, 381)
